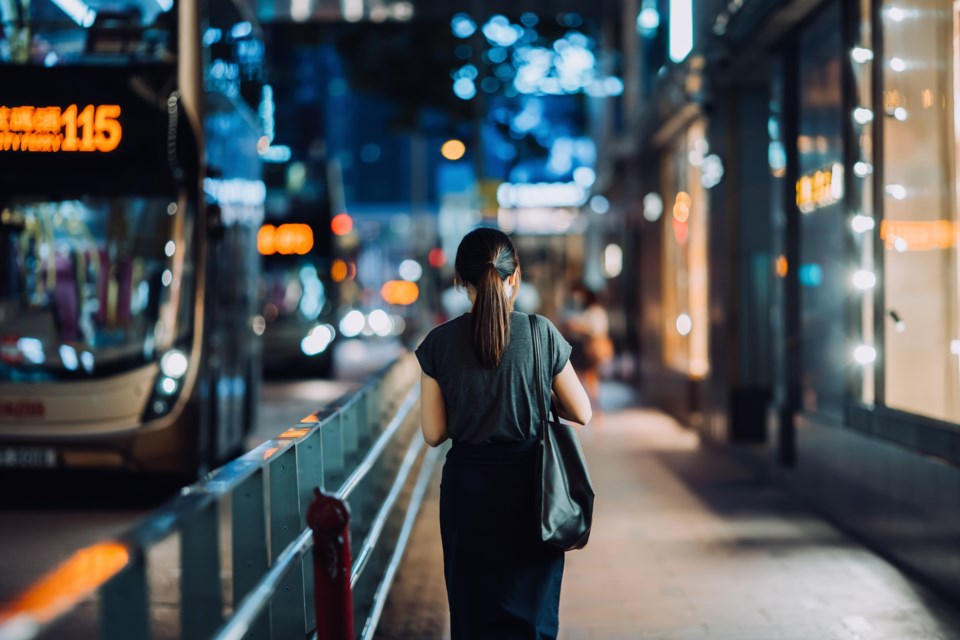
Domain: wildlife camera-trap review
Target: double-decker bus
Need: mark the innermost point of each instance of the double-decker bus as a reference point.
(130, 195)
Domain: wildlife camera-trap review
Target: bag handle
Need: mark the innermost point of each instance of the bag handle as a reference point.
(536, 370)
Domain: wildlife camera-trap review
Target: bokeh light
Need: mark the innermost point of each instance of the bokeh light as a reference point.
(453, 149)
(342, 224)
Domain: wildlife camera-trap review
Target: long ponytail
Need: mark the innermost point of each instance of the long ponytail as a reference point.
(485, 258)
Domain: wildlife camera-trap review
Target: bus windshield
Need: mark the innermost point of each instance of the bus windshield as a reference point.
(90, 286)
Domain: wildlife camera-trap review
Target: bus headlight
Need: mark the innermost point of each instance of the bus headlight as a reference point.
(168, 386)
(173, 364)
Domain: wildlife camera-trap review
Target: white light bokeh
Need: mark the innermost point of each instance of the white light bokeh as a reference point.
(865, 354)
(864, 280)
(352, 324)
(410, 270)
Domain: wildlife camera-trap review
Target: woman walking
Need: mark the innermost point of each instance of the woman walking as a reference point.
(478, 389)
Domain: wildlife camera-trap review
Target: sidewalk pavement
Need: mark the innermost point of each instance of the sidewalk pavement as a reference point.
(688, 545)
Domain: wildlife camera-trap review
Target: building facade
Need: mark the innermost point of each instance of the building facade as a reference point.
(793, 205)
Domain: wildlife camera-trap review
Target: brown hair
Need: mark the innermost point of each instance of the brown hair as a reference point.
(485, 258)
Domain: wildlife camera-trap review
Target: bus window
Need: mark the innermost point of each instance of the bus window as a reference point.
(90, 286)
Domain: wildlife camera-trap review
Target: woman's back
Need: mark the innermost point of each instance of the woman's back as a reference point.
(478, 388)
(490, 404)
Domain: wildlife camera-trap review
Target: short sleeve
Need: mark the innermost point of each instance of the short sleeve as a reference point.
(560, 349)
(426, 353)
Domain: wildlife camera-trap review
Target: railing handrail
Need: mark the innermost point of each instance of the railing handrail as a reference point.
(25, 619)
(260, 597)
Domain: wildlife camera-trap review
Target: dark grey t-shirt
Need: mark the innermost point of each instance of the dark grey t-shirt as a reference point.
(491, 405)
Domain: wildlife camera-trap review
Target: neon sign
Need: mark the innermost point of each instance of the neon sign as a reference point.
(52, 129)
(820, 189)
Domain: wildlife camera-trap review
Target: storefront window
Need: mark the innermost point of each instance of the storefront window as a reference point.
(919, 229)
(685, 255)
(820, 198)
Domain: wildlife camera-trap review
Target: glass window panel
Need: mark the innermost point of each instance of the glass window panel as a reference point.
(919, 230)
(685, 280)
(91, 286)
(823, 273)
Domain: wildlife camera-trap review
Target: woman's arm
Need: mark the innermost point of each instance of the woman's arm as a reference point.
(572, 402)
(433, 412)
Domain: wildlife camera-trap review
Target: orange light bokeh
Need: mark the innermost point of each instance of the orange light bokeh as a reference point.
(74, 580)
(338, 271)
(287, 239)
(400, 292)
(782, 266)
(681, 208)
(342, 224)
(453, 149)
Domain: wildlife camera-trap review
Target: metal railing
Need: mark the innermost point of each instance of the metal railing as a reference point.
(367, 445)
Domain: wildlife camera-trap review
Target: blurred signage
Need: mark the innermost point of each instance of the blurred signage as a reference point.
(29, 129)
(542, 194)
(67, 131)
(22, 408)
(541, 221)
(918, 235)
(820, 189)
(236, 191)
(287, 239)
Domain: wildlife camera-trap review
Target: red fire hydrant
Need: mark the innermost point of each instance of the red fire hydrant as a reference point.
(329, 517)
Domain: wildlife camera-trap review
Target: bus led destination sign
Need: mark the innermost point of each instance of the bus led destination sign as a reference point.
(31, 129)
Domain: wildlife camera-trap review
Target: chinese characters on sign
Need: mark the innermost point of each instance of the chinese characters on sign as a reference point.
(52, 129)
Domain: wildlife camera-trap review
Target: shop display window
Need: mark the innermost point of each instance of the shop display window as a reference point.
(685, 277)
(919, 227)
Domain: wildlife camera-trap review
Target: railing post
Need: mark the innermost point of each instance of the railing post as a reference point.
(334, 464)
(125, 604)
(287, 608)
(310, 468)
(201, 595)
(248, 515)
(329, 518)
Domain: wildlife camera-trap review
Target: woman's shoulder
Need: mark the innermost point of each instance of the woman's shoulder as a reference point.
(545, 321)
(446, 329)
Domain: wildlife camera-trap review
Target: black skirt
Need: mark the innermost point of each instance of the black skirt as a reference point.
(502, 580)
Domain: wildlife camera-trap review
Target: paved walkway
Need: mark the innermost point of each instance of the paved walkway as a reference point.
(687, 545)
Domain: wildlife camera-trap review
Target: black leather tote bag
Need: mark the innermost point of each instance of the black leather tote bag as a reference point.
(565, 499)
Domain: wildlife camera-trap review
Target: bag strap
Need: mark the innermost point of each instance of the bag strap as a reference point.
(536, 371)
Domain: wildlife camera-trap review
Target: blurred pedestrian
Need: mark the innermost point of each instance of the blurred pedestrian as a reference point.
(589, 326)
(478, 389)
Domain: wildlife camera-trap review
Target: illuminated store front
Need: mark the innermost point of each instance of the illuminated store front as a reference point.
(851, 216)
(867, 366)
(921, 341)
(685, 279)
